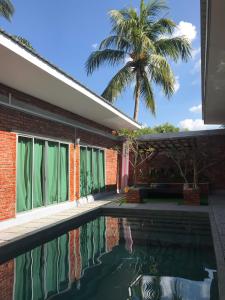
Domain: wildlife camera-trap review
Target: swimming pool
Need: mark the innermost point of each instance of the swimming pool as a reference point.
(117, 258)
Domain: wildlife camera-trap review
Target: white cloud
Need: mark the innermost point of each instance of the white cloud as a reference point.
(94, 46)
(195, 52)
(196, 124)
(186, 29)
(177, 84)
(196, 109)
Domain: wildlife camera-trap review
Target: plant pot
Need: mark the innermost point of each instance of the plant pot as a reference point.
(133, 195)
(191, 195)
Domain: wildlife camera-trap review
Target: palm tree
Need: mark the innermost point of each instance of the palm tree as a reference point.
(6, 9)
(144, 43)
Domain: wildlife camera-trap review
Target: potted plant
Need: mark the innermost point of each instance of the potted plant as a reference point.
(138, 154)
(191, 163)
(185, 160)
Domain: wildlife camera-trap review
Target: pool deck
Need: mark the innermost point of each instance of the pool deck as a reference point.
(48, 226)
(217, 222)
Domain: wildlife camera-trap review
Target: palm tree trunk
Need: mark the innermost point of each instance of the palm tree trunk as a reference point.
(137, 97)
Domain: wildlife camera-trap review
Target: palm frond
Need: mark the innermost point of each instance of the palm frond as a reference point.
(119, 82)
(123, 21)
(174, 48)
(155, 7)
(147, 93)
(162, 27)
(161, 73)
(119, 42)
(97, 58)
(6, 9)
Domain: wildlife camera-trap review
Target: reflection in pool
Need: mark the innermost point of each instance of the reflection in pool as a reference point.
(116, 258)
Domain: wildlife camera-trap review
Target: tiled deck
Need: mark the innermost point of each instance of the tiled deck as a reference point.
(217, 220)
(18, 232)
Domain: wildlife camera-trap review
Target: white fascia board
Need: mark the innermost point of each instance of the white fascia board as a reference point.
(20, 51)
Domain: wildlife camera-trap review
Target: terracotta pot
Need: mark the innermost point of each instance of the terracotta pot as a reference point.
(191, 195)
(133, 195)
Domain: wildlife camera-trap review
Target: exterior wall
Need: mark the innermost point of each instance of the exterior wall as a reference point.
(72, 172)
(13, 122)
(7, 174)
(111, 169)
(77, 172)
(161, 169)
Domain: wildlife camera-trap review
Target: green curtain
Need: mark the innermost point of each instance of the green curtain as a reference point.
(90, 243)
(38, 273)
(52, 172)
(23, 278)
(83, 191)
(51, 267)
(95, 171)
(24, 174)
(92, 171)
(96, 238)
(83, 246)
(102, 234)
(102, 170)
(38, 182)
(89, 171)
(63, 263)
(63, 195)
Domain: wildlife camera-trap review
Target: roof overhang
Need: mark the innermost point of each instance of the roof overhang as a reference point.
(178, 140)
(213, 60)
(27, 72)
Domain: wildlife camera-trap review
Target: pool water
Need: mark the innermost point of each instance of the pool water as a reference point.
(119, 259)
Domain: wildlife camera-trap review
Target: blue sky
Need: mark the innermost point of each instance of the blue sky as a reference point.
(66, 35)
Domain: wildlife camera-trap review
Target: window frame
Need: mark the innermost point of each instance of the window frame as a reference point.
(45, 140)
(92, 147)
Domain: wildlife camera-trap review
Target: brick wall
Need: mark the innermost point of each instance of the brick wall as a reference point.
(112, 233)
(111, 169)
(7, 280)
(77, 171)
(13, 121)
(7, 174)
(72, 172)
(163, 170)
(75, 255)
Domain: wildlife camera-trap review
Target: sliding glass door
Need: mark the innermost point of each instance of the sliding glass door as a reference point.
(42, 173)
(92, 171)
(38, 178)
(24, 174)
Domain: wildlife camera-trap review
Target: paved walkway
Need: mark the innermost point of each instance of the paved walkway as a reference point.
(15, 233)
(217, 221)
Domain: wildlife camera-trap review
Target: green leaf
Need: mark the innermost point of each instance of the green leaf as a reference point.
(119, 82)
(97, 58)
(6, 9)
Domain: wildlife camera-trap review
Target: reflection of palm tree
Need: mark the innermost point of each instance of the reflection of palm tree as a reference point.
(177, 292)
(152, 290)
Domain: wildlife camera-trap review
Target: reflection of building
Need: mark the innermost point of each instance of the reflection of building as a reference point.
(52, 268)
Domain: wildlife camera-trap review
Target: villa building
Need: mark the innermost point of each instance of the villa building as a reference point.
(57, 146)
